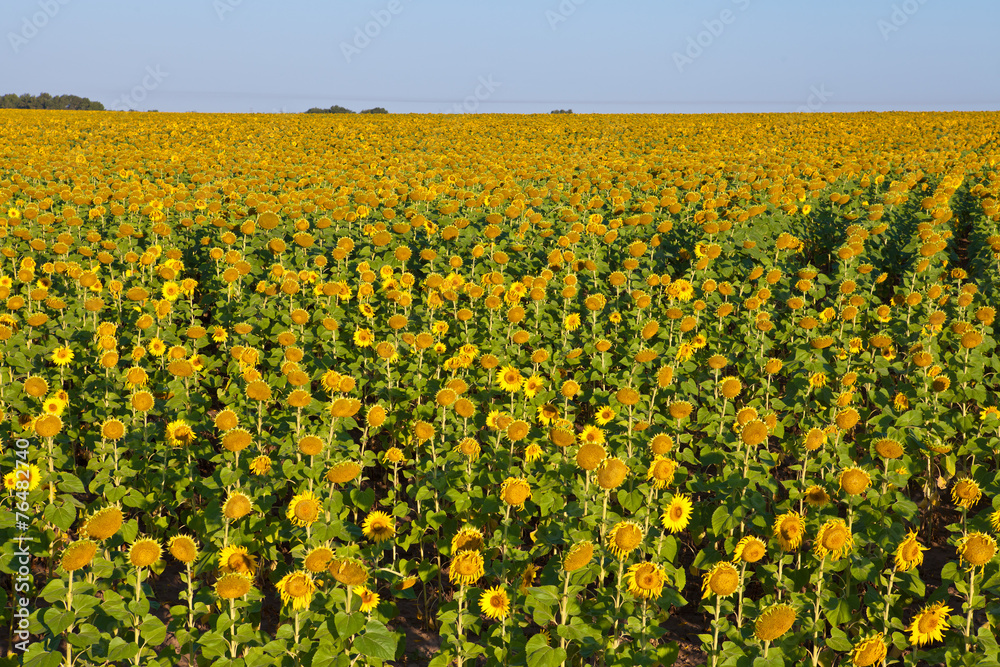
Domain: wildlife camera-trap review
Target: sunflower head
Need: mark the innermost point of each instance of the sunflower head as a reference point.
(515, 491)
(231, 586)
(78, 554)
(578, 556)
(909, 553)
(343, 472)
(788, 529)
(750, 549)
(144, 552)
(304, 509)
(834, 539)
(677, 514)
(379, 527)
(237, 506)
(966, 492)
(318, 559)
(612, 473)
(977, 549)
(645, 580)
(495, 603)
(348, 571)
(624, 538)
(466, 568)
(183, 548)
(722, 579)
(103, 523)
(467, 539)
(238, 560)
(297, 589)
(774, 621)
(854, 481)
(929, 624)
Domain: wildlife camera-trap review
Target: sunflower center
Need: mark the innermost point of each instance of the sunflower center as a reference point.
(306, 510)
(297, 586)
(928, 623)
(835, 538)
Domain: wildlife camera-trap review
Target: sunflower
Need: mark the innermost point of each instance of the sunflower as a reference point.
(468, 447)
(929, 624)
(977, 549)
(103, 523)
(348, 571)
(909, 553)
(78, 554)
(816, 496)
(297, 589)
(834, 538)
(62, 356)
(183, 548)
(467, 539)
(12, 479)
(578, 556)
(378, 527)
(509, 379)
(318, 559)
(750, 549)
(774, 621)
(722, 579)
(466, 568)
(789, 528)
(612, 473)
(754, 433)
(343, 472)
(592, 434)
(547, 413)
(869, 651)
(604, 415)
(815, 439)
(677, 514)
(680, 409)
(232, 585)
(237, 506)
(645, 580)
(304, 509)
(238, 560)
(966, 493)
(515, 491)
(144, 552)
(260, 465)
(48, 426)
(661, 472)
(179, 433)
(533, 452)
(624, 538)
(495, 603)
(369, 599)
(889, 448)
(854, 481)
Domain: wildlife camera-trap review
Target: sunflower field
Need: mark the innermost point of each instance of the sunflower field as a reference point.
(499, 390)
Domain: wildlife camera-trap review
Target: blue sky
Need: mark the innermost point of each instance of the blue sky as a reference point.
(512, 56)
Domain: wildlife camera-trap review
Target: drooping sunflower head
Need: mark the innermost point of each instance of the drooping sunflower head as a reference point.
(815, 439)
(750, 549)
(466, 568)
(889, 448)
(730, 387)
(144, 552)
(754, 433)
(661, 444)
(578, 556)
(343, 472)
(677, 514)
(103, 523)
(722, 579)
(515, 491)
(379, 527)
(909, 553)
(834, 539)
(816, 496)
(467, 539)
(183, 548)
(348, 571)
(789, 529)
(78, 554)
(774, 621)
(869, 651)
(966, 492)
(232, 585)
(645, 580)
(304, 509)
(624, 538)
(238, 560)
(237, 506)
(977, 549)
(680, 409)
(318, 559)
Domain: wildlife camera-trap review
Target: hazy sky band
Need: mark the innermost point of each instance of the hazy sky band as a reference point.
(518, 56)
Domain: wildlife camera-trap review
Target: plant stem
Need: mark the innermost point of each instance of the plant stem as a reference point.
(968, 618)
(715, 631)
(888, 600)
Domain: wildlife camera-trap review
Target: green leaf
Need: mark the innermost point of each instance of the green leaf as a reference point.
(540, 654)
(722, 520)
(121, 651)
(838, 640)
(153, 631)
(377, 642)
(349, 625)
(58, 620)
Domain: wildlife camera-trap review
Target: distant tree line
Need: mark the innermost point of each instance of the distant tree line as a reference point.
(46, 101)
(336, 108)
(561, 111)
